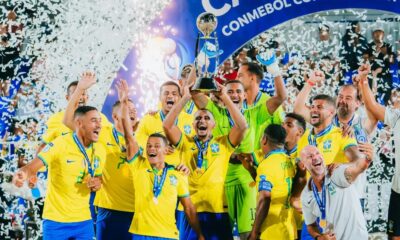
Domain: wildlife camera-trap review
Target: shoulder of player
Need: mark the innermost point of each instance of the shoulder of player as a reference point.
(56, 118)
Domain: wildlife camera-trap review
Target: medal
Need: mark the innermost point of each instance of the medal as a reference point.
(322, 223)
(155, 200)
(200, 170)
(202, 150)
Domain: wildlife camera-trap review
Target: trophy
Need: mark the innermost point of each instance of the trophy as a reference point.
(206, 23)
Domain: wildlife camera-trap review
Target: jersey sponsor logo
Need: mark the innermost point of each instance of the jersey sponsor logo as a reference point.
(64, 133)
(110, 144)
(187, 129)
(264, 184)
(214, 148)
(173, 180)
(70, 161)
(327, 145)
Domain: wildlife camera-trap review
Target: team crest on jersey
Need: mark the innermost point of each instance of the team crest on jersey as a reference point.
(96, 162)
(214, 147)
(187, 129)
(173, 180)
(327, 144)
(331, 189)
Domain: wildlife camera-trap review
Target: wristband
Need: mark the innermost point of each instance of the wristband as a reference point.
(311, 83)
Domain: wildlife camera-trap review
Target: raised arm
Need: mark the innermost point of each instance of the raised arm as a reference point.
(132, 147)
(269, 59)
(199, 98)
(28, 173)
(239, 128)
(368, 97)
(172, 132)
(300, 103)
(357, 167)
(86, 81)
(263, 203)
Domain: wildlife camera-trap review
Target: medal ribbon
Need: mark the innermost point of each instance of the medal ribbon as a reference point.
(292, 151)
(312, 139)
(245, 106)
(231, 122)
(158, 184)
(162, 115)
(189, 110)
(321, 202)
(83, 151)
(202, 151)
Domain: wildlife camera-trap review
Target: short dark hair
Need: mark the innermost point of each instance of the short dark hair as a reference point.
(233, 81)
(117, 104)
(72, 84)
(170, 83)
(159, 135)
(275, 134)
(82, 110)
(300, 121)
(323, 27)
(255, 69)
(326, 98)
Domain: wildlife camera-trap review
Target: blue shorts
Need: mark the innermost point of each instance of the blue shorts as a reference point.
(112, 224)
(141, 237)
(65, 231)
(213, 225)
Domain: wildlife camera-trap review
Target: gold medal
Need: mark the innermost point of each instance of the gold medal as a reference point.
(322, 223)
(199, 170)
(155, 200)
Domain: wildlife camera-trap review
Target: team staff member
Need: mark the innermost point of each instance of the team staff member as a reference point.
(157, 185)
(207, 157)
(74, 165)
(333, 198)
(274, 215)
(152, 123)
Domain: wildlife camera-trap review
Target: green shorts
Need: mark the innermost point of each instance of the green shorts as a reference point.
(241, 199)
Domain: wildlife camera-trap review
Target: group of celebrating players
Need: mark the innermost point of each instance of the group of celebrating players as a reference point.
(210, 165)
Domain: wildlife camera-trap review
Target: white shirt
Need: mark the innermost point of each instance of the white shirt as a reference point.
(392, 119)
(343, 208)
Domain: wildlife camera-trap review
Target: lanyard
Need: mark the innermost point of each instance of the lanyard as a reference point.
(245, 106)
(83, 151)
(292, 151)
(189, 110)
(312, 139)
(321, 202)
(275, 151)
(202, 151)
(337, 123)
(231, 122)
(162, 115)
(158, 184)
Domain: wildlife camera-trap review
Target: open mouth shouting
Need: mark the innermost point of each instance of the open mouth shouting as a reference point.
(170, 103)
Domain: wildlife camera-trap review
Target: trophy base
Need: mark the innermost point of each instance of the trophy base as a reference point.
(205, 84)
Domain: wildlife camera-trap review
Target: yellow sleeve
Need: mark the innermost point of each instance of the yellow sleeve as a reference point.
(348, 142)
(224, 140)
(265, 177)
(183, 186)
(49, 153)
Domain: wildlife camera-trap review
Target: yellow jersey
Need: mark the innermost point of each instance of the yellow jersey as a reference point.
(207, 176)
(67, 197)
(56, 128)
(150, 124)
(117, 192)
(329, 142)
(275, 174)
(155, 216)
